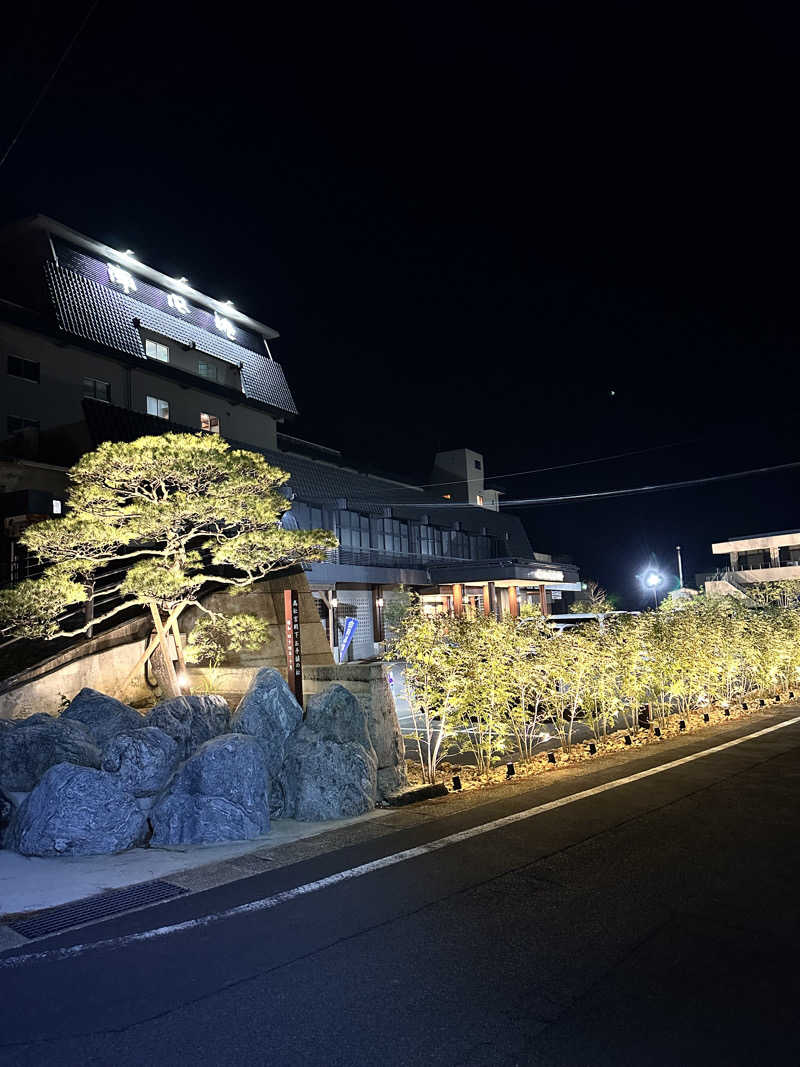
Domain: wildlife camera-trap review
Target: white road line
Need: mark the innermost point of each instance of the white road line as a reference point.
(266, 903)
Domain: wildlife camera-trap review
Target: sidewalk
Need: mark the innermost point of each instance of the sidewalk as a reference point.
(29, 883)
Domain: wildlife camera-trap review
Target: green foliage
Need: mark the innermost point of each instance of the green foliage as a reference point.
(175, 512)
(483, 686)
(215, 637)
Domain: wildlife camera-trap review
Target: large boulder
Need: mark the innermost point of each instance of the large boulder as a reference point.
(219, 794)
(30, 748)
(102, 715)
(77, 811)
(387, 738)
(269, 712)
(336, 715)
(6, 811)
(323, 778)
(191, 720)
(144, 759)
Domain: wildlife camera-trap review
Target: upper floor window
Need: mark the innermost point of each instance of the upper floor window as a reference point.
(23, 368)
(155, 350)
(208, 370)
(477, 464)
(479, 500)
(15, 424)
(157, 406)
(98, 389)
(209, 423)
(353, 529)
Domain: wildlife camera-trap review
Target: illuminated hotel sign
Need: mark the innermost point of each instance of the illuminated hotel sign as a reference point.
(547, 576)
(178, 302)
(121, 277)
(224, 326)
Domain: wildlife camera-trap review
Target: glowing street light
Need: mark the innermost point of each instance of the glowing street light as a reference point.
(652, 579)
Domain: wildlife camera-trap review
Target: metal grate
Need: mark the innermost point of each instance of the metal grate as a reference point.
(101, 906)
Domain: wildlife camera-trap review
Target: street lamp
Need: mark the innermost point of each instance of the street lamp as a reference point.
(651, 580)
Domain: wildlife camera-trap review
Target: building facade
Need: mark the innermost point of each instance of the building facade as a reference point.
(752, 560)
(97, 346)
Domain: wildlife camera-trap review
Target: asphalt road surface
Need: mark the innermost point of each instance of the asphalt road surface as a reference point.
(652, 922)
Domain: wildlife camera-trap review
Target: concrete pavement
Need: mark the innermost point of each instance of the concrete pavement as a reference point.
(655, 922)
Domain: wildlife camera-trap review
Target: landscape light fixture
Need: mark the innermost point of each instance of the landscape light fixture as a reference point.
(682, 725)
(510, 770)
(592, 748)
(791, 695)
(744, 706)
(657, 731)
(777, 698)
(183, 680)
(551, 757)
(762, 703)
(456, 783)
(728, 712)
(627, 739)
(334, 602)
(706, 717)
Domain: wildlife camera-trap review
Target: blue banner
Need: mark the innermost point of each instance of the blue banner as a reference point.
(347, 636)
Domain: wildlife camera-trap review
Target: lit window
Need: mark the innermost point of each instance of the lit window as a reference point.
(210, 423)
(157, 351)
(56, 507)
(207, 370)
(15, 424)
(97, 389)
(479, 500)
(157, 406)
(23, 368)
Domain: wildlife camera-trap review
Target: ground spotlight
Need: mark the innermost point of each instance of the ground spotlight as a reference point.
(791, 695)
(762, 703)
(728, 711)
(592, 748)
(706, 716)
(456, 783)
(744, 706)
(510, 770)
(777, 698)
(657, 731)
(627, 739)
(682, 724)
(551, 757)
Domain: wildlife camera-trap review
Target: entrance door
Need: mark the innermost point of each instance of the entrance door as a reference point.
(357, 603)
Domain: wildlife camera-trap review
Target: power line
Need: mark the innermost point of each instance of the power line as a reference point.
(49, 82)
(607, 494)
(564, 466)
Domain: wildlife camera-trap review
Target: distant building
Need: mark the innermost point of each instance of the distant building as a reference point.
(96, 345)
(751, 560)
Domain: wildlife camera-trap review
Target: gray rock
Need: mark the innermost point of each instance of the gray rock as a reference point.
(191, 720)
(102, 715)
(28, 750)
(337, 715)
(32, 720)
(269, 712)
(144, 759)
(387, 738)
(6, 811)
(77, 811)
(219, 794)
(326, 779)
(6, 724)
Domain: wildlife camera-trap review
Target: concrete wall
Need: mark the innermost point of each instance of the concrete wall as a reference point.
(57, 399)
(103, 670)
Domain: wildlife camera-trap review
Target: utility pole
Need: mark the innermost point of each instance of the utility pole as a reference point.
(680, 565)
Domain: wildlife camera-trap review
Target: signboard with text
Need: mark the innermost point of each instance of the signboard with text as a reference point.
(294, 655)
(350, 626)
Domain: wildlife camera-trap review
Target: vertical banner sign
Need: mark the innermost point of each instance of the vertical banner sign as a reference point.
(350, 626)
(294, 655)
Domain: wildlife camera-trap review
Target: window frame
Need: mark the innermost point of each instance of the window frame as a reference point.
(27, 424)
(210, 416)
(158, 401)
(93, 395)
(24, 362)
(148, 342)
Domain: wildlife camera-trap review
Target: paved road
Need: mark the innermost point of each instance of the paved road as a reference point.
(652, 923)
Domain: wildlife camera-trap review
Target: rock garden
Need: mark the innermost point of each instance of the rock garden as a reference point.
(102, 777)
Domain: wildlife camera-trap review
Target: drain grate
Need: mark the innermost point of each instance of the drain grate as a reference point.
(79, 912)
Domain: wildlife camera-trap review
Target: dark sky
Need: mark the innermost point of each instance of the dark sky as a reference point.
(470, 227)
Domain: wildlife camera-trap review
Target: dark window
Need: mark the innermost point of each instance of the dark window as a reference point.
(97, 388)
(23, 368)
(15, 424)
(353, 530)
(208, 370)
(477, 464)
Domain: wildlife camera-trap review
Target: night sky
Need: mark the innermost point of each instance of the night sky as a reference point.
(549, 240)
